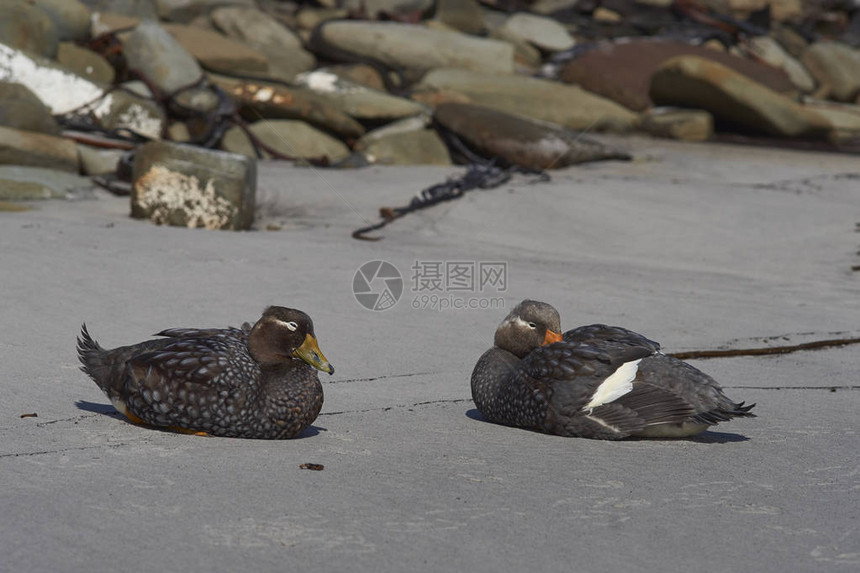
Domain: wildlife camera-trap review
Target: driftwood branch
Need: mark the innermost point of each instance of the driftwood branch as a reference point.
(765, 351)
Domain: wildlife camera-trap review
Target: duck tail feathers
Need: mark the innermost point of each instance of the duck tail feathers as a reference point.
(92, 357)
(724, 414)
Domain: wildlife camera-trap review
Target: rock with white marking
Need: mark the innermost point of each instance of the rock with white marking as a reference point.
(186, 186)
(358, 101)
(85, 63)
(275, 101)
(64, 92)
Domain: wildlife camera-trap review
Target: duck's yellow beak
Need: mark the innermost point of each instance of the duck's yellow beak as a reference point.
(310, 352)
(551, 337)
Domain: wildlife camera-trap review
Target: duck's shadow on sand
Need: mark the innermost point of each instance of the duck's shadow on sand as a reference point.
(706, 437)
(109, 410)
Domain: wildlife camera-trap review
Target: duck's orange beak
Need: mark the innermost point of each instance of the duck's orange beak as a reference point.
(551, 337)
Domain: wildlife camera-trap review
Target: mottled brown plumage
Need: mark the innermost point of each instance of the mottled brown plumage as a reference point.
(256, 382)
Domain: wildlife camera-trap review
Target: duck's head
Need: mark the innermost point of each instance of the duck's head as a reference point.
(529, 325)
(284, 334)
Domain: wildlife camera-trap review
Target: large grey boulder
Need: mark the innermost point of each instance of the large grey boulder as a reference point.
(281, 46)
(152, 51)
(565, 105)
(690, 81)
(519, 140)
(413, 50)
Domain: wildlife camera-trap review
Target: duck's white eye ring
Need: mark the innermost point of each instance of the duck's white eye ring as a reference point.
(532, 325)
(291, 326)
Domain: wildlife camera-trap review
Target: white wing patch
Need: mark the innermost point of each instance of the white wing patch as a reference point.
(615, 386)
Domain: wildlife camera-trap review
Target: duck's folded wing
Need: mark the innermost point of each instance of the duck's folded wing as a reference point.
(601, 334)
(199, 360)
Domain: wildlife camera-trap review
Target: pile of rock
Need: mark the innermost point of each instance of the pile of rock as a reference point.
(85, 83)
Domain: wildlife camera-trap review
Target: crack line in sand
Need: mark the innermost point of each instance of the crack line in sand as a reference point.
(373, 379)
(387, 408)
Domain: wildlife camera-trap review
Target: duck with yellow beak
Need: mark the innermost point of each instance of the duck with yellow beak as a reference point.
(257, 382)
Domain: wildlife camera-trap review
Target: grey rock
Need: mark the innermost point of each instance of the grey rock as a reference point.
(404, 142)
(151, 50)
(835, 66)
(281, 46)
(677, 123)
(97, 160)
(521, 141)
(292, 138)
(358, 101)
(140, 9)
(541, 32)
(187, 10)
(361, 74)
(690, 81)
(374, 8)
(565, 105)
(19, 183)
(108, 22)
(413, 49)
(71, 18)
(186, 186)
(18, 147)
(26, 27)
(844, 118)
(85, 63)
(218, 53)
(463, 15)
(21, 109)
(769, 50)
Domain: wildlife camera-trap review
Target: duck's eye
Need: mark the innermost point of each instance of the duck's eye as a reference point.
(291, 325)
(532, 325)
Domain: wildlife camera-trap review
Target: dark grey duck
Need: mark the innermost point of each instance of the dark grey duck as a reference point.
(253, 382)
(597, 381)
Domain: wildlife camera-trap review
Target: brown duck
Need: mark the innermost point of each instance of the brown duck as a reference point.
(597, 381)
(253, 382)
